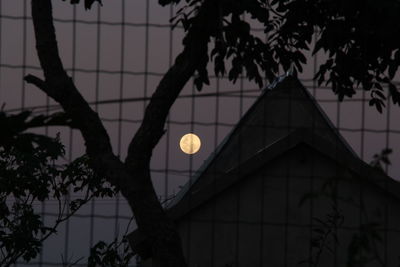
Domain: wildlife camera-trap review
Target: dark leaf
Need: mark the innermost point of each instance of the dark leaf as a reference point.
(89, 3)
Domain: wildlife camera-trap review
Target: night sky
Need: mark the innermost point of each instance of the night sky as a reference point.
(114, 62)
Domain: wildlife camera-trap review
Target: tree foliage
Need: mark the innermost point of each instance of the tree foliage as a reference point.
(117, 253)
(30, 173)
(359, 38)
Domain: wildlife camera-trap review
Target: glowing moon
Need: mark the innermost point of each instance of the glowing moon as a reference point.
(190, 143)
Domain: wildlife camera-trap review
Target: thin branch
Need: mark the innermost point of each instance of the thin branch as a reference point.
(39, 83)
(75, 262)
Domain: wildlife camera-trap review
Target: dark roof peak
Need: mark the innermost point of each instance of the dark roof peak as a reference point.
(281, 109)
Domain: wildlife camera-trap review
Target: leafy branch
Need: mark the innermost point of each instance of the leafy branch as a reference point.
(30, 174)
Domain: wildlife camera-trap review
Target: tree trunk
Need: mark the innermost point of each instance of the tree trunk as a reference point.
(132, 177)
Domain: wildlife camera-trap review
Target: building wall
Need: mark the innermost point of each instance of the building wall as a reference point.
(260, 221)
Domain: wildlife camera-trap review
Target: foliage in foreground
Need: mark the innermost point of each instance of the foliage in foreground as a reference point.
(359, 40)
(31, 173)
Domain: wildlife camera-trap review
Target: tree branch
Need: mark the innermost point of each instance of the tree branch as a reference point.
(59, 86)
(39, 83)
(195, 52)
(139, 192)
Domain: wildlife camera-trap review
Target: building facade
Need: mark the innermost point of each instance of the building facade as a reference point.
(285, 189)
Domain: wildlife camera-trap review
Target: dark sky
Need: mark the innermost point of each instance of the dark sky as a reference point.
(150, 50)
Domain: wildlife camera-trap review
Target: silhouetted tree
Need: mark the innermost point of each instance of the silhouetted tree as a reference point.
(31, 172)
(360, 38)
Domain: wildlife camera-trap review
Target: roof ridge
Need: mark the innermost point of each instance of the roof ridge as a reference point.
(281, 84)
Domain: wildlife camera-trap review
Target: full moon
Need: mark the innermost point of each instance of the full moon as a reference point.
(190, 143)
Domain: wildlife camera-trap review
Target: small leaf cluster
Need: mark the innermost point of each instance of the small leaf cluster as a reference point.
(88, 3)
(30, 173)
(18, 230)
(362, 249)
(117, 253)
(324, 235)
(381, 159)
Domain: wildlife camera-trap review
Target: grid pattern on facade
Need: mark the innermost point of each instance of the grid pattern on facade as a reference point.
(116, 55)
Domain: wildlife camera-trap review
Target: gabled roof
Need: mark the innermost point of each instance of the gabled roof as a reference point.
(298, 137)
(280, 109)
